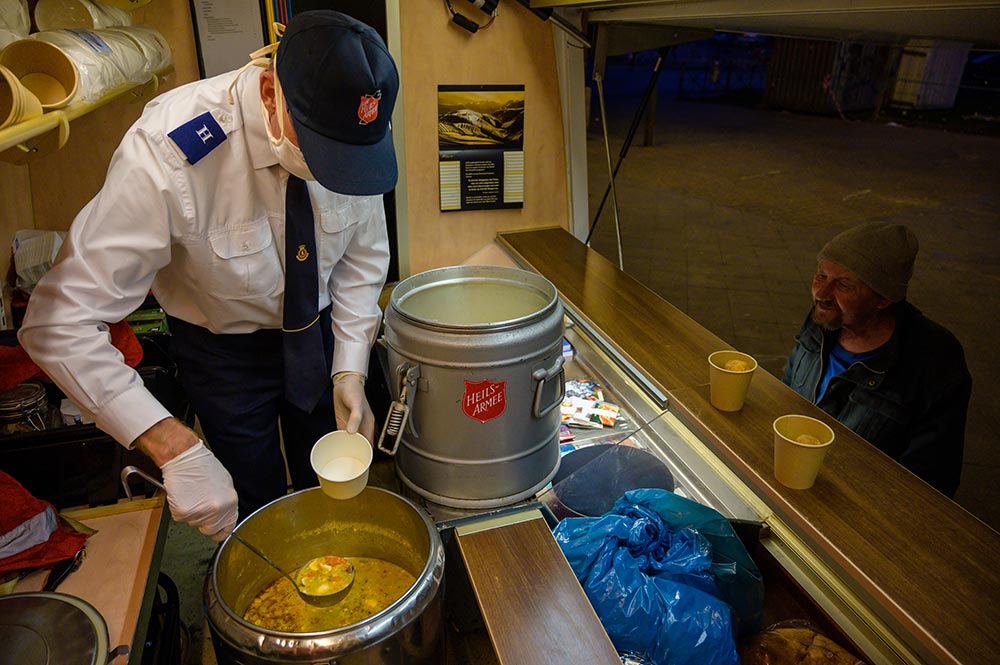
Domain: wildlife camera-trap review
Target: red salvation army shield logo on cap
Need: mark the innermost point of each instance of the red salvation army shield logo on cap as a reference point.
(368, 108)
(484, 400)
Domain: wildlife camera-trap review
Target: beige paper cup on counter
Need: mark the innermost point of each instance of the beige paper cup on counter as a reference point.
(729, 374)
(341, 462)
(44, 69)
(800, 445)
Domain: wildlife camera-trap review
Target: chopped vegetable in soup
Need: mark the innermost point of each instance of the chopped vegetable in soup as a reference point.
(324, 576)
(377, 584)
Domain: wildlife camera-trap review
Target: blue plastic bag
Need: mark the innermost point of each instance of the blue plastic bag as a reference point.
(668, 577)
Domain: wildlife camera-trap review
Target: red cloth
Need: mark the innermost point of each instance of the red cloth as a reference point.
(16, 367)
(18, 505)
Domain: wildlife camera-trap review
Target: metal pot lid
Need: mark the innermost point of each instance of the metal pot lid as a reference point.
(25, 395)
(46, 628)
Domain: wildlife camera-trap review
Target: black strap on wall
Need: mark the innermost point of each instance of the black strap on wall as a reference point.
(465, 22)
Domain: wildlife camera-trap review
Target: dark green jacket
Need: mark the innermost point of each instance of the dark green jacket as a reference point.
(910, 400)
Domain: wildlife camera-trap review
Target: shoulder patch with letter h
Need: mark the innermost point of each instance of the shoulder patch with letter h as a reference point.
(198, 137)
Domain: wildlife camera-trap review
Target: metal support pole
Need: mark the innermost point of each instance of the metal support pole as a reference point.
(607, 152)
(630, 136)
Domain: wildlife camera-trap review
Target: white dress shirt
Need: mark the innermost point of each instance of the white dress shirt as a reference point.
(208, 239)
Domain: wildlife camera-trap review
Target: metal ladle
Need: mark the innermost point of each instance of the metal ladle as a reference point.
(331, 596)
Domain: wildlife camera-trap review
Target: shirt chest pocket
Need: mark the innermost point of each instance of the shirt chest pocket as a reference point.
(339, 221)
(803, 367)
(343, 212)
(245, 262)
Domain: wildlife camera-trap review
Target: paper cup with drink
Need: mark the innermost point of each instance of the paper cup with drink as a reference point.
(800, 445)
(729, 374)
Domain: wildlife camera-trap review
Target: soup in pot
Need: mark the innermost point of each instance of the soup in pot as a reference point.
(377, 584)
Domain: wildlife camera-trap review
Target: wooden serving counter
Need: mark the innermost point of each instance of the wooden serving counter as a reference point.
(924, 569)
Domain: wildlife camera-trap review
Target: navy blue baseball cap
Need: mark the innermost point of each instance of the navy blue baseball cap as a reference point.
(340, 85)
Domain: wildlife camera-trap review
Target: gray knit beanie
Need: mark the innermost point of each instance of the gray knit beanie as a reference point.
(879, 253)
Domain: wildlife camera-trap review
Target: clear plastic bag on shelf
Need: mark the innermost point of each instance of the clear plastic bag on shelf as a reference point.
(56, 14)
(126, 54)
(15, 22)
(14, 18)
(8, 37)
(105, 59)
(151, 43)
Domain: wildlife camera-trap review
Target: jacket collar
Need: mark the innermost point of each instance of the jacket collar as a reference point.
(248, 95)
(891, 351)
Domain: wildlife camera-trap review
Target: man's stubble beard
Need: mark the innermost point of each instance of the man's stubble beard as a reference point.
(826, 323)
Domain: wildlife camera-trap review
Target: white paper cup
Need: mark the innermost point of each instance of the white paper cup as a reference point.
(797, 455)
(341, 461)
(728, 385)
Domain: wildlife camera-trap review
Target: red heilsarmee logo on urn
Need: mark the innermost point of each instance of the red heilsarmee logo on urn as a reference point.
(484, 400)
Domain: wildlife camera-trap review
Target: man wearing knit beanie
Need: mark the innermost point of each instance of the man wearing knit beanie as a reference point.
(874, 362)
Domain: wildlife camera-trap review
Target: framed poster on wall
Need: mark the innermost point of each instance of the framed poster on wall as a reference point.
(481, 147)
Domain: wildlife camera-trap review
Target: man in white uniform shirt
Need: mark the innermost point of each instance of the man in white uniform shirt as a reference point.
(194, 208)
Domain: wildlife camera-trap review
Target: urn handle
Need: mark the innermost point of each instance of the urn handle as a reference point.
(543, 375)
(399, 410)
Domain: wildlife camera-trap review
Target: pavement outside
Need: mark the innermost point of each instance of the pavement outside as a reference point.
(724, 213)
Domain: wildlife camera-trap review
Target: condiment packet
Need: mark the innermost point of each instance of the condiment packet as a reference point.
(584, 389)
(604, 413)
(581, 412)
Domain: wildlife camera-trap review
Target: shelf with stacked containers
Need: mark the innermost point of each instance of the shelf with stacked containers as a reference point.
(85, 55)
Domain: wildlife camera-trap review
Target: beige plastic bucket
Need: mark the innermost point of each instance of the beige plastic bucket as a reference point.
(17, 104)
(44, 69)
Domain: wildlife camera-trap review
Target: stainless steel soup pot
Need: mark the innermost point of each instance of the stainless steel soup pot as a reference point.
(376, 523)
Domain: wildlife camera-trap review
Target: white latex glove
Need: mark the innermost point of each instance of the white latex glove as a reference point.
(351, 406)
(200, 492)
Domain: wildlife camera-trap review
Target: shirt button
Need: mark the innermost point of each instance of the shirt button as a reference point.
(246, 245)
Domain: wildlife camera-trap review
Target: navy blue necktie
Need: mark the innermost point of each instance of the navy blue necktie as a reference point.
(306, 376)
